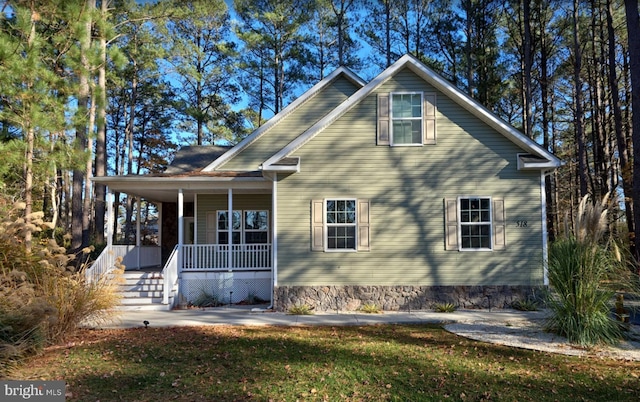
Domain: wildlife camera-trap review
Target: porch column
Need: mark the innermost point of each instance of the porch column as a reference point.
(138, 241)
(180, 228)
(159, 206)
(274, 238)
(230, 228)
(110, 200)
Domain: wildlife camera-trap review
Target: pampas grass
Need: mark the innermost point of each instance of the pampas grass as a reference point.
(43, 297)
(582, 266)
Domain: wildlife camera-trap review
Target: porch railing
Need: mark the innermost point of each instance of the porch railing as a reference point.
(132, 257)
(105, 263)
(138, 257)
(201, 257)
(170, 275)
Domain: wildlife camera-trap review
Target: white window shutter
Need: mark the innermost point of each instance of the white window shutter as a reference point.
(429, 119)
(499, 225)
(364, 232)
(317, 225)
(451, 223)
(383, 120)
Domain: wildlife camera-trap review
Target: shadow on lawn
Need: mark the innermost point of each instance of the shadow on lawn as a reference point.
(391, 362)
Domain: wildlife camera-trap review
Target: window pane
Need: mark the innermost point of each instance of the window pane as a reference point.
(407, 105)
(476, 236)
(407, 132)
(256, 237)
(341, 237)
(256, 220)
(222, 221)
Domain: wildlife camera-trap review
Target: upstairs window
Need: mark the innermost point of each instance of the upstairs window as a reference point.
(406, 119)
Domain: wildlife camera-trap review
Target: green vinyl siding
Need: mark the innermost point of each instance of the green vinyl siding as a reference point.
(210, 203)
(292, 126)
(406, 187)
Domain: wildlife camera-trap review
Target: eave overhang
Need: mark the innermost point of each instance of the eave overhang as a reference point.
(159, 188)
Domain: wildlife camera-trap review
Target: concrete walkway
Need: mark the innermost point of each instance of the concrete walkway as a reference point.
(234, 315)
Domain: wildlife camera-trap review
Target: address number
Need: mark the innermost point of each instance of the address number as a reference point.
(521, 224)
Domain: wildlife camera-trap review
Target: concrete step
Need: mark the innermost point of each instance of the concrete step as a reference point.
(148, 307)
(141, 300)
(134, 294)
(141, 287)
(142, 275)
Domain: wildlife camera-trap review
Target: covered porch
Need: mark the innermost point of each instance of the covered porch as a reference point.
(199, 250)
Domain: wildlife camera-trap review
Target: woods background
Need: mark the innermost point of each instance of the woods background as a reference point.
(91, 87)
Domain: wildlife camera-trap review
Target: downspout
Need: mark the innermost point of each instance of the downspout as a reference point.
(545, 237)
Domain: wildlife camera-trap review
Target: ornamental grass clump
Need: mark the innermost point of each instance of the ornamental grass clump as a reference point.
(584, 267)
(43, 295)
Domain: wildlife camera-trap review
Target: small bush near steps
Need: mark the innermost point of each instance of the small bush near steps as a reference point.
(300, 309)
(444, 307)
(370, 309)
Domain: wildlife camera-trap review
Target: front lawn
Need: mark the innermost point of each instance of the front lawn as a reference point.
(368, 363)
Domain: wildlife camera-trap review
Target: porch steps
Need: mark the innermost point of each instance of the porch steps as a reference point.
(142, 290)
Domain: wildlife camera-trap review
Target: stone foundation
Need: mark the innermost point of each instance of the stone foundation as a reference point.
(404, 298)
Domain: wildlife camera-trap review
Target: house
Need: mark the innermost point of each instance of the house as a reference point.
(399, 192)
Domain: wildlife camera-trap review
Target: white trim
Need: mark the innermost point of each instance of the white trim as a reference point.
(491, 223)
(259, 132)
(545, 237)
(441, 84)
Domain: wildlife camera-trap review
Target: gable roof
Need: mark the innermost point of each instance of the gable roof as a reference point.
(259, 132)
(550, 161)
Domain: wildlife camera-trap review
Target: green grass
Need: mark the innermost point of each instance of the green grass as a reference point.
(368, 363)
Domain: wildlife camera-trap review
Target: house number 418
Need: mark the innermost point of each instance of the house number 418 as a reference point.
(521, 224)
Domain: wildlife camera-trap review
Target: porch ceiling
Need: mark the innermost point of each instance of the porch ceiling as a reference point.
(165, 189)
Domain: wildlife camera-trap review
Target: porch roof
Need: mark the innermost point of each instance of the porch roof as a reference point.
(161, 187)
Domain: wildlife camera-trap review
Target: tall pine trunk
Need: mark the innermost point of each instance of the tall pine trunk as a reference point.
(579, 114)
(77, 205)
(101, 136)
(623, 152)
(633, 29)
